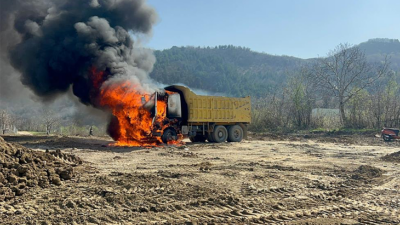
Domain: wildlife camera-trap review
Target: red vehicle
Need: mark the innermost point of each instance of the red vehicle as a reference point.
(389, 134)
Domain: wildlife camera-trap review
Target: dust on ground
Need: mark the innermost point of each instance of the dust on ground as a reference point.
(301, 180)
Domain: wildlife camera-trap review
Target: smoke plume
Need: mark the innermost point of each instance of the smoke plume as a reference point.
(58, 42)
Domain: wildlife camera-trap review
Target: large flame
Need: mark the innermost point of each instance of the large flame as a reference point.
(132, 124)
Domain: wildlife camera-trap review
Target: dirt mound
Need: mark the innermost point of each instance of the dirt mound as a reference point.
(365, 172)
(394, 157)
(21, 168)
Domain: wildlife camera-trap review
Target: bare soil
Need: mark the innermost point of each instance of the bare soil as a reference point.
(22, 168)
(393, 157)
(264, 180)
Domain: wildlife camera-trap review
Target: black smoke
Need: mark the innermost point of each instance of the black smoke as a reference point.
(60, 41)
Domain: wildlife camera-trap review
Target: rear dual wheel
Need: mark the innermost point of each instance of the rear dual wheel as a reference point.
(220, 134)
(235, 133)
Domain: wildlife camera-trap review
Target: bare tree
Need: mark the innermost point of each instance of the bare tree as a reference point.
(4, 121)
(50, 119)
(345, 72)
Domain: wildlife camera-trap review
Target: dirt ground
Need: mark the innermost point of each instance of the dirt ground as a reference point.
(264, 180)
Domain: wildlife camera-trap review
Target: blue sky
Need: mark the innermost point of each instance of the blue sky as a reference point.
(304, 29)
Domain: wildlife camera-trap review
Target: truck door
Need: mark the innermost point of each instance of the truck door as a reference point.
(174, 109)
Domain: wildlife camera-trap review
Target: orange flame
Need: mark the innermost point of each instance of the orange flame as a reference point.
(133, 124)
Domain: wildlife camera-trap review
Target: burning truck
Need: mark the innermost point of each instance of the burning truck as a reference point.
(177, 112)
(213, 118)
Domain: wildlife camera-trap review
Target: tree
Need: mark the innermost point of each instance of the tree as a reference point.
(301, 99)
(358, 110)
(4, 121)
(8, 121)
(50, 119)
(345, 72)
(390, 99)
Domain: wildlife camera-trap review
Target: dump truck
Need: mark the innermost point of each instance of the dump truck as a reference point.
(202, 118)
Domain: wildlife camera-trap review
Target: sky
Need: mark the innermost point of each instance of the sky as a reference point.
(300, 28)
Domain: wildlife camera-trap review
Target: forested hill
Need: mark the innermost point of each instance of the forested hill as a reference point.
(376, 50)
(381, 46)
(238, 71)
(234, 71)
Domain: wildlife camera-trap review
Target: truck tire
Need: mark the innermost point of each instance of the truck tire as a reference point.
(169, 134)
(235, 133)
(220, 134)
(198, 138)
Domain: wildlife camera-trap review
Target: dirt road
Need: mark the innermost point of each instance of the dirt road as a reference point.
(260, 181)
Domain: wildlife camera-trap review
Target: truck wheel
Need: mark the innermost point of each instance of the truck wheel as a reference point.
(198, 138)
(169, 134)
(235, 133)
(210, 138)
(220, 134)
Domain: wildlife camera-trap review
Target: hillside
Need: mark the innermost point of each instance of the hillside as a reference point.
(381, 46)
(376, 50)
(229, 70)
(238, 71)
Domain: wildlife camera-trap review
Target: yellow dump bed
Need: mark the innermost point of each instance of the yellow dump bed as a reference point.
(215, 108)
